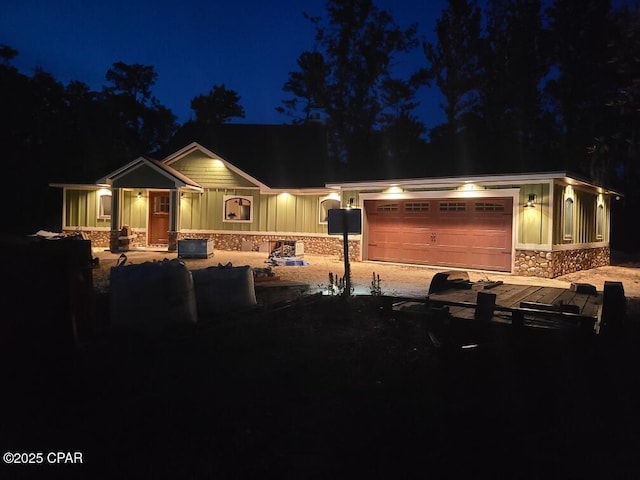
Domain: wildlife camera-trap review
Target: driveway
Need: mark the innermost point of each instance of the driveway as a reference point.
(395, 279)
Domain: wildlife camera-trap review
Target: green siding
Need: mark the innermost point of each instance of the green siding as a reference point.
(133, 210)
(81, 209)
(282, 212)
(533, 222)
(209, 172)
(144, 177)
(585, 205)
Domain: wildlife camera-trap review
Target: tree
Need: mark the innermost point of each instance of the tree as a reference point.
(307, 86)
(581, 33)
(7, 54)
(216, 108)
(515, 64)
(143, 124)
(455, 60)
(349, 77)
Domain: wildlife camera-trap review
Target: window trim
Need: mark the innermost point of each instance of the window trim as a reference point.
(321, 200)
(227, 198)
(600, 211)
(568, 210)
(101, 215)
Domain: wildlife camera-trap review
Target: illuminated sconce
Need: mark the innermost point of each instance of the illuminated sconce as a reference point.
(139, 194)
(532, 200)
(350, 204)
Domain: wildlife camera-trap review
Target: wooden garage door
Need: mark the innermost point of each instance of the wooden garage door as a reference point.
(466, 233)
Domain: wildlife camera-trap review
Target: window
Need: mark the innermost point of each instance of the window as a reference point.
(327, 204)
(600, 222)
(104, 205)
(453, 206)
(161, 204)
(237, 208)
(489, 207)
(387, 207)
(416, 207)
(567, 231)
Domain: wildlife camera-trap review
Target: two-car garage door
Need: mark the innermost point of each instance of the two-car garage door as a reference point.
(458, 232)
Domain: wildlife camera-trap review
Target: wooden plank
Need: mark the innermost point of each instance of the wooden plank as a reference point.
(516, 295)
(593, 306)
(454, 295)
(544, 295)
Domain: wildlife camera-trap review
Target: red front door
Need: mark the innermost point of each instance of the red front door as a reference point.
(158, 218)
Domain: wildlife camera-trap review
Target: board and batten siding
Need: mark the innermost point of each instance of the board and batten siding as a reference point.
(81, 209)
(281, 212)
(533, 222)
(585, 207)
(133, 209)
(209, 172)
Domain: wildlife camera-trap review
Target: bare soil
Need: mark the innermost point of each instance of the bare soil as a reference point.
(395, 279)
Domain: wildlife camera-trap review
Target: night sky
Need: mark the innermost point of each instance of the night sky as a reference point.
(249, 46)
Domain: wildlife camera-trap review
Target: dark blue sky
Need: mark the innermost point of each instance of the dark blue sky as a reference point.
(249, 46)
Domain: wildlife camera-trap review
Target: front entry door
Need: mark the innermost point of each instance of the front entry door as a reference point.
(158, 218)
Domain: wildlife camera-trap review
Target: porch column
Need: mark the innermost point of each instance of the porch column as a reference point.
(174, 210)
(114, 243)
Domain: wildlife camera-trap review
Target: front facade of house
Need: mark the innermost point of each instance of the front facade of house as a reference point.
(542, 225)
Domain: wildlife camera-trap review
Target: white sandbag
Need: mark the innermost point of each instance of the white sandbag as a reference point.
(152, 296)
(223, 289)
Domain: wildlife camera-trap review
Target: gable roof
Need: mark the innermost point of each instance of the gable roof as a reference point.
(164, 171)
(195, 146)
(277, 156)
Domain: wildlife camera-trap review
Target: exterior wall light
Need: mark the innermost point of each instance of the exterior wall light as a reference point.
(532, 200)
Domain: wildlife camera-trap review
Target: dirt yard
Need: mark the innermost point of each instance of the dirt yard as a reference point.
(395, 280)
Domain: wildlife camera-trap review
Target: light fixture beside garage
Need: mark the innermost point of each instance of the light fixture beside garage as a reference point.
(532, 200)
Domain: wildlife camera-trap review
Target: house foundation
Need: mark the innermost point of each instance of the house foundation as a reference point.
(552, 264)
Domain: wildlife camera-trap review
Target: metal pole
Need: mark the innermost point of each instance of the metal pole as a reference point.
(345, 246)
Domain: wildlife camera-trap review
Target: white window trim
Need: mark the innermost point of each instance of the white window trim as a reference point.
(568, 236)
(99, 195)
(333, 197)
(249, 198)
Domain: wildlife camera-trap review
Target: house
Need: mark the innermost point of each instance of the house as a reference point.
(251, 186)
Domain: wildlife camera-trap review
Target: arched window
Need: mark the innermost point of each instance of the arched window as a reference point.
(238, 208)
(600, 222)
(567, 230)
(326, 204)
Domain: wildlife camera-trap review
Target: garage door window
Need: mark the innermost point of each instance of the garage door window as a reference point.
(489, 207)
(416, 207)
(387, 207)
(453, 206)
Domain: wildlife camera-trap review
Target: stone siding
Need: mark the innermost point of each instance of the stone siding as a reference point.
(551, 264)
(528, 263)
(320, 245)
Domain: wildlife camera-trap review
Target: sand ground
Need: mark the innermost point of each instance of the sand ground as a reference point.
(395, 279)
